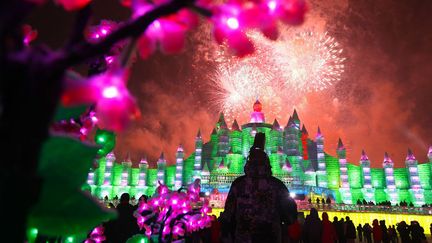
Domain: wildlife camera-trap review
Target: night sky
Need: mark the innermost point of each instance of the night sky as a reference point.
(382, 103)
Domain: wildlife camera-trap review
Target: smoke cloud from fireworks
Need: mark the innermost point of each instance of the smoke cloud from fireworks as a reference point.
(382, 102)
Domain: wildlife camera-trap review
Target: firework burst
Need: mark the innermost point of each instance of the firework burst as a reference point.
(279, 73)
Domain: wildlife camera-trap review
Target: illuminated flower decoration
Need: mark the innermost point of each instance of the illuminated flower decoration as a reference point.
(71, 5)
(115, 106)
(100, 31)
(29, 34)
(97, 235)
(228, 26)
(168, 32)
(173, 214)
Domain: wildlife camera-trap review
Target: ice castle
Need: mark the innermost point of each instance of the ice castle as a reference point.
(297, 159)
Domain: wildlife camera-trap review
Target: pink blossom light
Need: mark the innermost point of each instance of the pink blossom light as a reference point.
(110, 92)
(233, 23)
(272, 5)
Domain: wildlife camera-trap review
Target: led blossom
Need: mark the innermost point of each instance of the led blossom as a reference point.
(172, 214)
(168, 32)
(115, 106)
(29, 34)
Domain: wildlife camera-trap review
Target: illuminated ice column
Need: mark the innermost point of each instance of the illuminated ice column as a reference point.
(321, 172)
(110, 158)
(179, 167)
(345, 188)
(368, 191)
(90, 177)
(388, 166)
(127, 165)
(143, 166)
(198, 156)
(161, 166)
(416, 190)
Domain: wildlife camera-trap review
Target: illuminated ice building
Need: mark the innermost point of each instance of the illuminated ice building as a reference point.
(296, 158)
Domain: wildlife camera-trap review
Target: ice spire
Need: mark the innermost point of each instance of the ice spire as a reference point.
(235, 126)
(410, 155)
(340, 144)
(319, 135)
(304, 131)
(364, 156)
(276, 125)
(295, 116)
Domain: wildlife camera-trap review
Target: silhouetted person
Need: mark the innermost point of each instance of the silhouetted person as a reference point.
(312, 228)
(417, 232)
(377, 232)
(328, 231)
(360, 232)
(257, 203)
(404, 232)
(385, 236)
(340, 230)
(392, 234)
(367, 233)
(328, 200)
(125, 226)
(350, 230)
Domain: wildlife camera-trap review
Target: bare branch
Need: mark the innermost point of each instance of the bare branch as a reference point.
(84, 50)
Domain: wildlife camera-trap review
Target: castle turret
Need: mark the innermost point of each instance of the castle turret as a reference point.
(416, 189)
(365, 164)
(276, 137)
(368, 190)
(388, 166)
(257, 116)
(223, 141)
(143, 166)
(127, 165)
(430, 154)
(161, 165)
(296, 119)
(110, 158)
(292, 138)
(304, 139)
(236, 138)
(321, 172)
(411, 164)
(345, 188)
(198, 155)
(179, 167)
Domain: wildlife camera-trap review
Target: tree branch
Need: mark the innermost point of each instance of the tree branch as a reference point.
(84, 50)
